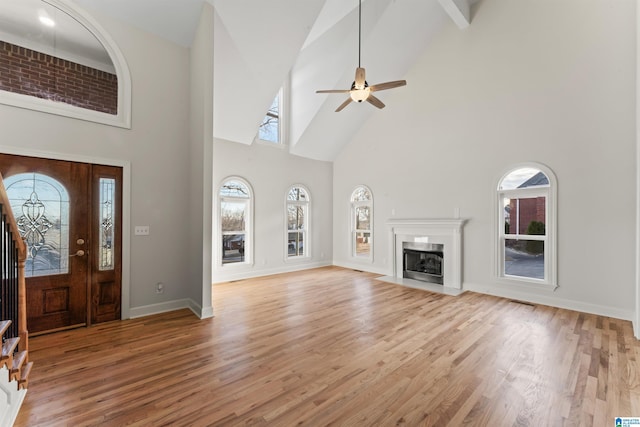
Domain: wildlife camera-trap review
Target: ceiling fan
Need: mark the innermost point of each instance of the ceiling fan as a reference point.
(360, 89)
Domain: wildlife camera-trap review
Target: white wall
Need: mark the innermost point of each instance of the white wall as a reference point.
(201, 156)
(545, 81)
(271, 171)
(155, 146)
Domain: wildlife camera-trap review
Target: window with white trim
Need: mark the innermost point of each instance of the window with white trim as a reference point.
(235, 209)
(297, 213)
(362, 223)
(61, 43)
(271, 127)
(526, 230)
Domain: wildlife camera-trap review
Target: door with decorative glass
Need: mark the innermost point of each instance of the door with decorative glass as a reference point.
(69, 215)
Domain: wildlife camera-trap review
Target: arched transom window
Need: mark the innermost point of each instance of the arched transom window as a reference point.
(56, 58)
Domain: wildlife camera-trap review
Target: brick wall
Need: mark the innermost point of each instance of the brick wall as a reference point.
(531, 209)
(36, 74)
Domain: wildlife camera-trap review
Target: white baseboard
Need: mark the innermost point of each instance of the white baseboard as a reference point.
(584, 307)
(221, 277)
(368, 267)
(164, 307)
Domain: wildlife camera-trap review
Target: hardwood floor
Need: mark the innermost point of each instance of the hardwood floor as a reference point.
(337, 347)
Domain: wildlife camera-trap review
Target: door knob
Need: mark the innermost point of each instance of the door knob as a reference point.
(79, 253)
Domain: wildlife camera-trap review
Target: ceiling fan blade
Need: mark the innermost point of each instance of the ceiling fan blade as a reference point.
(360, 78)
(344, 104)
(387, 85)
(333, 91)
(375, 101)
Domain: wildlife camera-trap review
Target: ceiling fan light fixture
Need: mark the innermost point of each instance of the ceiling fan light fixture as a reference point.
(359, 95)
(360, 90)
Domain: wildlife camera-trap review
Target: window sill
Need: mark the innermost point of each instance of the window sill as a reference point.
(525, 283)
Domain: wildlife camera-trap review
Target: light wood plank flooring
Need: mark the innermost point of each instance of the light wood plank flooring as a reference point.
(333, 346)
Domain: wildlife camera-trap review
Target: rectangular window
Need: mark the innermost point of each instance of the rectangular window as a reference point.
(524, 237)
(232, 216)
(362, 218)
(296, 244)
(362, 244)
(525, 215)
(295, 229)
(362, 235)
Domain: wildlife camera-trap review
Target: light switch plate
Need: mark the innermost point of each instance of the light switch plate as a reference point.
(141, 230)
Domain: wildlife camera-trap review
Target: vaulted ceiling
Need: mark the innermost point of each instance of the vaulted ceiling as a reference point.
(311, 44)
(314, 44)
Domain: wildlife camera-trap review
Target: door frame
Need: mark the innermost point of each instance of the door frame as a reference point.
(125, 312)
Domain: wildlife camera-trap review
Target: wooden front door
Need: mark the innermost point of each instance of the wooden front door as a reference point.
(69, 215)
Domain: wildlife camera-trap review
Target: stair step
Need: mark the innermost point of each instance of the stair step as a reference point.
(18, 361)
(8, 348)
(23, 382)
(4, 325)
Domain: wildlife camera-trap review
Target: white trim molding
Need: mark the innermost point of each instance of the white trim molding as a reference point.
(547, 298)
(550, 280)
(126, 207)
(123, 117)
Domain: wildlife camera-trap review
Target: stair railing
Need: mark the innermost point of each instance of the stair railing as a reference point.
(12, 263)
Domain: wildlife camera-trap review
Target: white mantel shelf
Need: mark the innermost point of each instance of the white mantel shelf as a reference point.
(446, 231)
(430, 222)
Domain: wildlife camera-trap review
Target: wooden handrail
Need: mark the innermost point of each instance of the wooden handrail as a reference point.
(22, 259)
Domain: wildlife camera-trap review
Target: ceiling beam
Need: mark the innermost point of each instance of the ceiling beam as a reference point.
(459, 11)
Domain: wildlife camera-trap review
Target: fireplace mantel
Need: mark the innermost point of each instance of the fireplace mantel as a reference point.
(446, 231)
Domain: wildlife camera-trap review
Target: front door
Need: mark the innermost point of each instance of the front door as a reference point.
(68, 213)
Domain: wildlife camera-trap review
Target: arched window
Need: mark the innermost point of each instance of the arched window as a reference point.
(526, 225)
(362, 223)
(297, 213)
(41, 208)
(235, 199)
(57, 59)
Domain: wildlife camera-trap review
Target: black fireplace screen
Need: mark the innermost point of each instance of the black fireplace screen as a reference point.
(423, 261)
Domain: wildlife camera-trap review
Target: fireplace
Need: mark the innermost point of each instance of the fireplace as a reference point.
(445, 234)
(423, 261)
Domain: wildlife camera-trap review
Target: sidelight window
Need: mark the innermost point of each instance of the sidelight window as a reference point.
(107, 216)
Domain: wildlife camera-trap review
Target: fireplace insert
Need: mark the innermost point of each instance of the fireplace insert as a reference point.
(423, 261)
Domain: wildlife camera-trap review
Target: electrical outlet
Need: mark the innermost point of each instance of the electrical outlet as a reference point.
(159, 288)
